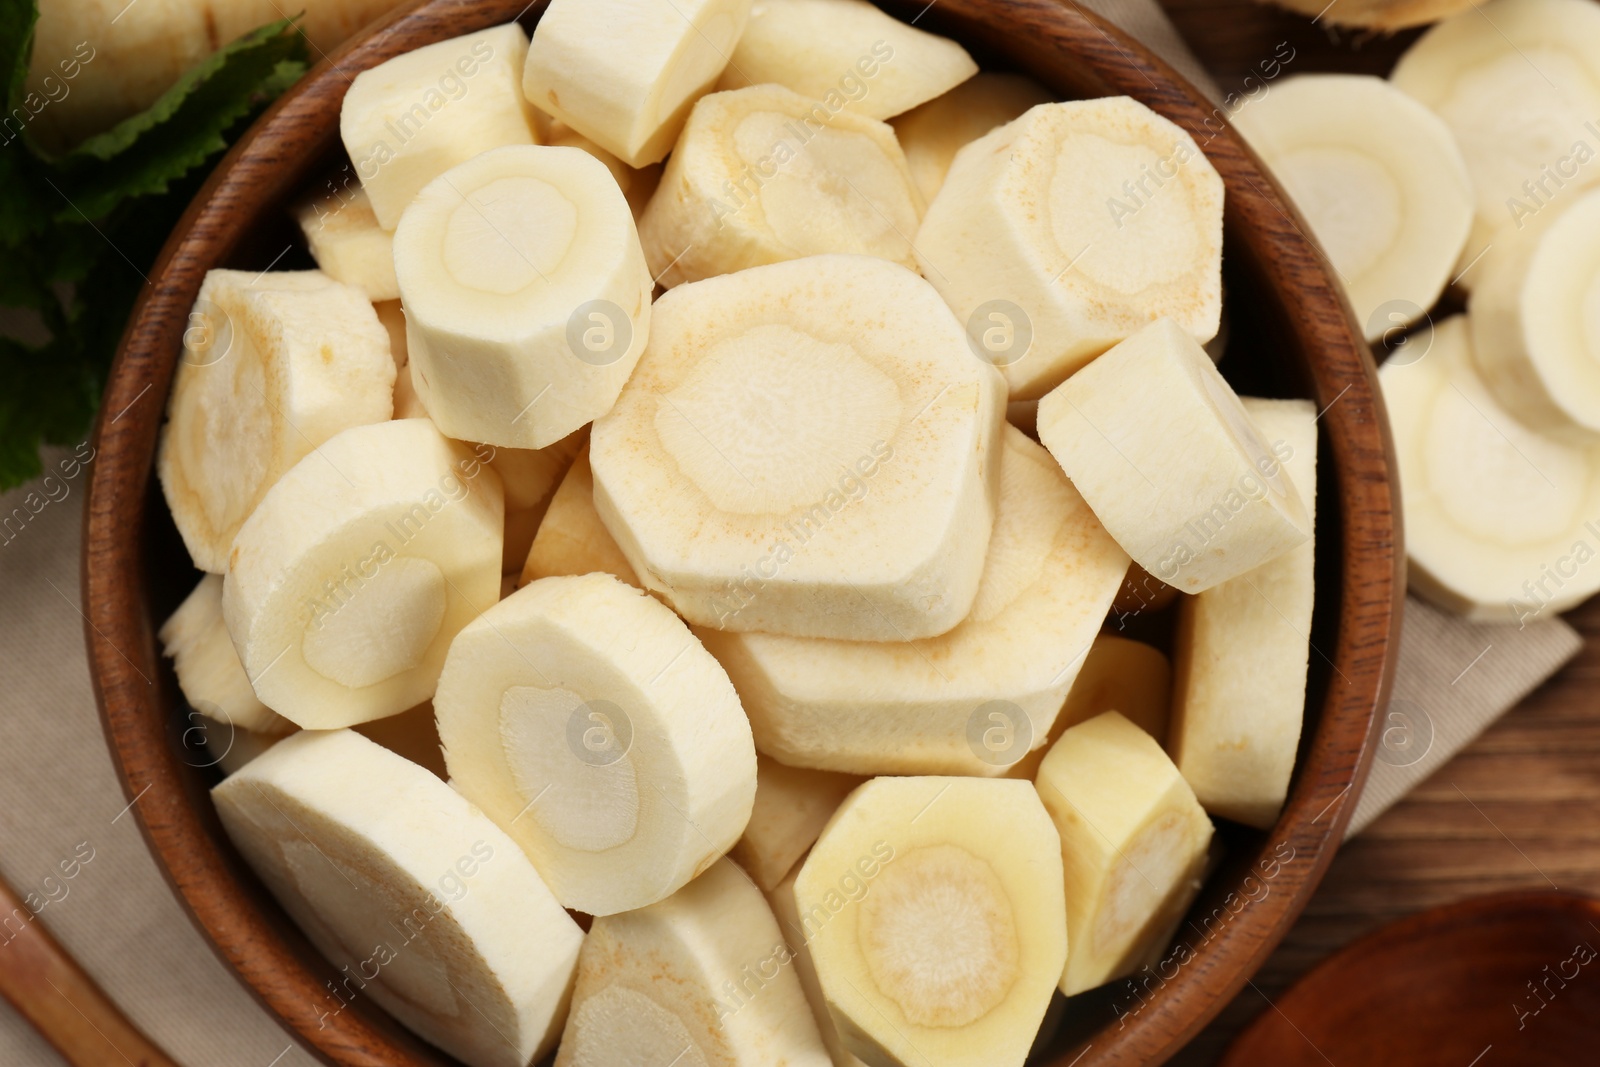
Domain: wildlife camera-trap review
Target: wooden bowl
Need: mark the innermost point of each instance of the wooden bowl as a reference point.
(1513, 972)
(1293, 335)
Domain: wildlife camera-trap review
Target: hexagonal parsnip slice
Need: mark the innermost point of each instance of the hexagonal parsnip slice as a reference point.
(971, 701)
(933, 911)
(703, 976)
(1073, 227)
(526, 294)
(1133, 844)
(806, 448)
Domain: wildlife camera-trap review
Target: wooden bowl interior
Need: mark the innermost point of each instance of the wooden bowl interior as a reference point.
(1291, 336)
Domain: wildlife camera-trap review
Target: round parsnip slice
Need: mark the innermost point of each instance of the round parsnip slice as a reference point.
(624, 73)
(970, 701)
(571, 537)
(806, 448)
(787, 913)
(348, 244)
(411, 118)
(847, 54)
(1242, 649)
(526, 294)
(1534, 326)
(1133, 844)
(1160, 446)
(1071, 228)
(1499, 517)
(1129, 677)
(932, 133)
(432, 910)
(1379, 178)
(209, 673)
(763, 174)
(792, 806)
(347, 584)
(1518, 83)
(586, 720)
(702, 976)
(948, 951)
(273, 365)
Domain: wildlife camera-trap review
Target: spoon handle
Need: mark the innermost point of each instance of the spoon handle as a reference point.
(62, 1002)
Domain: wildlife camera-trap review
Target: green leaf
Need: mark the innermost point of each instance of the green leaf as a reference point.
(142, 155)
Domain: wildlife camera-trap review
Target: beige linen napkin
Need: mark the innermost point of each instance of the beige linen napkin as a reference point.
(59, 797)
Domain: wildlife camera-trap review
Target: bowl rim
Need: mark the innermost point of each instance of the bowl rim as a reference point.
(271, 161)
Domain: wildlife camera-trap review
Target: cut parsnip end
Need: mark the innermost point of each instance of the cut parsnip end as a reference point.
(1518, 83)
(970, 701)
(1133, 843)
(526, 294)
(624, 73)
(763, 175)
(847, 54)
(822, 420)
(273, 365)
(1496, 512)
(1072, 228)
(348, 244)
(571, 539)
(703, 975)
(209, 673)
(792, 806)
(1242, 651)
(386, 868)
(933, 910)
(411, 118)
(1128, 677)
(347, 584)
(1379, 178)
(932, 134)
(1158, 444)
(586, 720)
(1533, 325)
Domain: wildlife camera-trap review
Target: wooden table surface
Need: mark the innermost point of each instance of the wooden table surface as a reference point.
(1534, 776)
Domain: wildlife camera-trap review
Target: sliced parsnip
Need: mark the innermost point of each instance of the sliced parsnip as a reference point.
(1242, 650)
(530, 477)
(1133, 843)
(1533, 325)
(346, 586)
(624, 73)
(586, 720)
(1071, 228)
(1518, 83)
(1381, 181)
(348, 244)
(787, 913)
(763, 175)
(933, 911)
(792, 806)
(209, 673)
(526, 294)
(970, 701)
(411, 118)
(387, 868)
(636, 183)
(1128, 677)
(1498, 515)
(702, 976)
(571, 537)
(847, 54)
(412, 734)
(1159, 445)
(273, 365)
(806, 448)
(932, 133)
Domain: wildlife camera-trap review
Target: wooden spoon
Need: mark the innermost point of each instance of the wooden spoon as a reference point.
(64, 1004)
(1512, 978)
